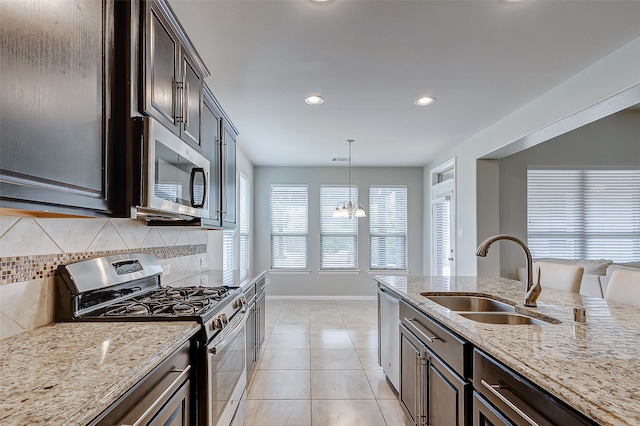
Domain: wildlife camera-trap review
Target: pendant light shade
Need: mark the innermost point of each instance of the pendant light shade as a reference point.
(347, 209)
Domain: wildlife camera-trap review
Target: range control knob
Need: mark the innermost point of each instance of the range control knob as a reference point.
(223, 318)
(217, 324)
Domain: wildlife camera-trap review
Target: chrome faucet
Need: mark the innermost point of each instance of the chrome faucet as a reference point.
(533, 289)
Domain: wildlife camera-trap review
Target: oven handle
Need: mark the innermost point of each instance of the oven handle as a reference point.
(163, 398)
(235, 326)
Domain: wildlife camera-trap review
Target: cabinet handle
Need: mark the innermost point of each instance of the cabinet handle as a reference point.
(164, 397)
(185, 84)
(417, 327)
(492, 389)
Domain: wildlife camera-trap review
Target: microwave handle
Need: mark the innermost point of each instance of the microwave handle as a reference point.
(194, 172)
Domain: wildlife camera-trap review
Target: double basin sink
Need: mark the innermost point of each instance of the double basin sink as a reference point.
(483, 309)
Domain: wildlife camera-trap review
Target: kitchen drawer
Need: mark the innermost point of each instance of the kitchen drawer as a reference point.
(449, 347)
(516, 398)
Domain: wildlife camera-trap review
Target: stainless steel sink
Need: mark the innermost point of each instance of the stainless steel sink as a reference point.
(511, 318)
(471, 304)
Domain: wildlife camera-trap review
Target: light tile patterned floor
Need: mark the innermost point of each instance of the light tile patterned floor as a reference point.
(319, 367)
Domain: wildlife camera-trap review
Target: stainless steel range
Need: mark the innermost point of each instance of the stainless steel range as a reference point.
(128, 288)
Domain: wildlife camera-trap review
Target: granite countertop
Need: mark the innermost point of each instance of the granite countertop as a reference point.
(68, 373)
(594, 367)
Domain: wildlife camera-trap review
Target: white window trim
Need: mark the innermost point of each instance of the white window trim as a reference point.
(398, 271)
(285, 269)
(438, 191)
(331, 269)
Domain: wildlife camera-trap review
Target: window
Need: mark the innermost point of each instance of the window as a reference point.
(338, 235)
(244, 213)
(584, 214)
(228, 257)
(443, 213)
(289, 227)
(441, 235)
(388, 227)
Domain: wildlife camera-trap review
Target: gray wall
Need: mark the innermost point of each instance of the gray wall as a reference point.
(613, 141)
(319, 284)
(605, 79)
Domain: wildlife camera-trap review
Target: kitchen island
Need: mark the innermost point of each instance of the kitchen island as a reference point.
(592, 367)
(68, 373)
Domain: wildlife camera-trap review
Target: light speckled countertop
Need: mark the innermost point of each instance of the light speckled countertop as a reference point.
(68, 373)
(594, 367)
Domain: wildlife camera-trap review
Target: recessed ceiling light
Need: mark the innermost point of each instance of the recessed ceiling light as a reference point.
(427, 100)
(314, 100)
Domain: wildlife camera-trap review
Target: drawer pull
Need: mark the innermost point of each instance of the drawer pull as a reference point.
(154, 408)
(418, 327)
(494, 391)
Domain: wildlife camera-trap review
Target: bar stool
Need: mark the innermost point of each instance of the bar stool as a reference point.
(624, 287)
(559, 276)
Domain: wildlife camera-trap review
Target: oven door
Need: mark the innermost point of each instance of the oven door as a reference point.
(226, 374)
(175, 177)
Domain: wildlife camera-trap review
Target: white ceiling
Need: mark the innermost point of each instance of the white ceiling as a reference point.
(371, 59)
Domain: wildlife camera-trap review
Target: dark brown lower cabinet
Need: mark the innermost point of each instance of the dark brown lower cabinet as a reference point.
(430, 392)
(162, 398)
(485, 415)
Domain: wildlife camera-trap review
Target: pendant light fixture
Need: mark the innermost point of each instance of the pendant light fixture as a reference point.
(348, 209)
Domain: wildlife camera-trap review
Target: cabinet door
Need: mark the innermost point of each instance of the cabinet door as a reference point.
(162, 71)
(486, 415)
(191, 101)
(411, 382)
(261, 322)
(229, 180)
(251, 338)
(211, 148)
(446, 395)
(55, 102)
(176, 410)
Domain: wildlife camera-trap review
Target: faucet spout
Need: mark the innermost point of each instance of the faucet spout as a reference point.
(533, 290)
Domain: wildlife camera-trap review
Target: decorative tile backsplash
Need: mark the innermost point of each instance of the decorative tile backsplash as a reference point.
(32, 248)
(26, 268)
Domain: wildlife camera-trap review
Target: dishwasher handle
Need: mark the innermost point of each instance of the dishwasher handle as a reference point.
(388, 296)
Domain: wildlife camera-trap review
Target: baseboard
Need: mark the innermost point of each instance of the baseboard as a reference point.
(323, 297)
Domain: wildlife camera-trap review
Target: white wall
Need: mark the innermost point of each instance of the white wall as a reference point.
(610, 76)
(613, 141)
(333, 284)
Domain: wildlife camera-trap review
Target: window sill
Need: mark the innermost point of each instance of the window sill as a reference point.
(388, 272)
(339, 271)
(288, 272)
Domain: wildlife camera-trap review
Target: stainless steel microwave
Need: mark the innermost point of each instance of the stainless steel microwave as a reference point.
(175, 178)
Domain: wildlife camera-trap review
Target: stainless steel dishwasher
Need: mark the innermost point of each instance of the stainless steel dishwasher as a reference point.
(389, 335)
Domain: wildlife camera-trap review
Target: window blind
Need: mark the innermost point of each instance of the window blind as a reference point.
(244, 226)
(228, 256)
(584, 214)
(442, 236)
(289, 227)
(338, 236)
(388, 227)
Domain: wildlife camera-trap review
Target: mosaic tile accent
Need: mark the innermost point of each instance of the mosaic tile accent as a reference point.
(26, 268)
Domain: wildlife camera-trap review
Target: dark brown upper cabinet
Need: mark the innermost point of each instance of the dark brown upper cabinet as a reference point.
(219, 146)
(55, 134)
(173, 74)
